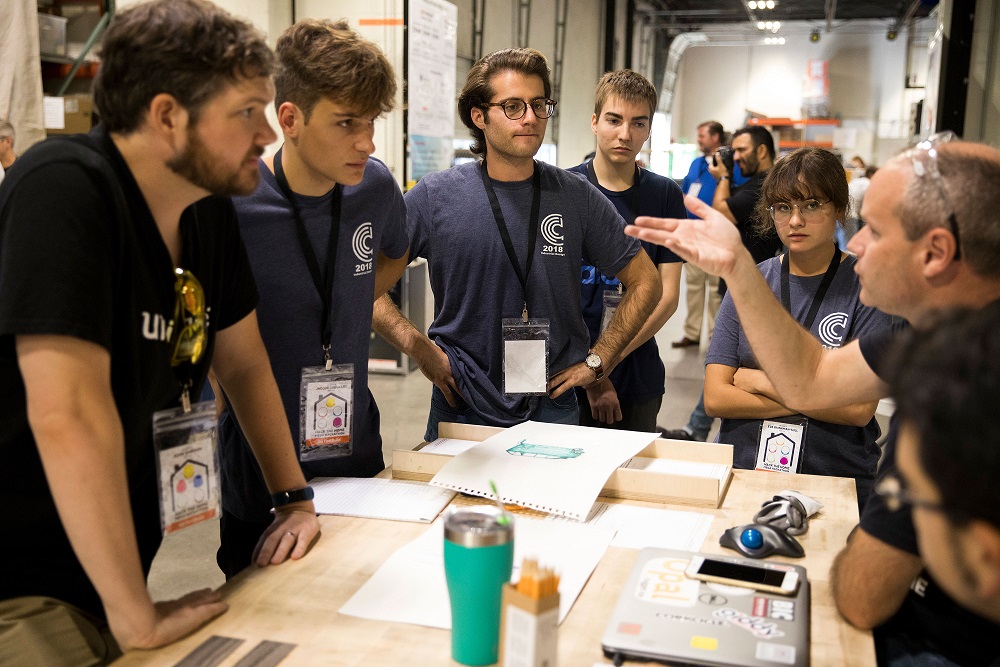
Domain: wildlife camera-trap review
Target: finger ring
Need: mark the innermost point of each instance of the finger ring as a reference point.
(290, 533)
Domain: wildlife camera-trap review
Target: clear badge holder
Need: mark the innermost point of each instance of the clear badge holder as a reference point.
(780, 443)
(525, 356)
(187, 465)
(326, 412)
(612, 299)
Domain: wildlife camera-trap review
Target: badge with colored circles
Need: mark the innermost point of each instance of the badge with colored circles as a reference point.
(187, 465)
(779, 448)
(326, 412)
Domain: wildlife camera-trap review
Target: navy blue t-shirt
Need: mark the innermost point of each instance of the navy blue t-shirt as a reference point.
(640, 376)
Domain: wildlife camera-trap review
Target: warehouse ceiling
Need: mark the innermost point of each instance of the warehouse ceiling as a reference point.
(678, 16)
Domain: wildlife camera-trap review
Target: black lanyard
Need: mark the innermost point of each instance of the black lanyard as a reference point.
(323, 283)
(786, 298)
(536, 197)
(633, 199)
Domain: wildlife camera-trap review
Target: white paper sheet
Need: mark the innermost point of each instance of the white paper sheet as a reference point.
(640, 527)
(524, 366)
(410, 587)
(686, 468)
(54, 113)
(449, 446)
(379, 498)
(554, 468)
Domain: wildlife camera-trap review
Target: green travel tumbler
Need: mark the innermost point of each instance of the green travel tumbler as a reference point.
(478, 558)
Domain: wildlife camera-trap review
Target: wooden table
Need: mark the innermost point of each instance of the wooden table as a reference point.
(297, 602)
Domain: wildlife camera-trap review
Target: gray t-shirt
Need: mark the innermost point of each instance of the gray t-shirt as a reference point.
(450, 223)
(829, 449)
(290, 312)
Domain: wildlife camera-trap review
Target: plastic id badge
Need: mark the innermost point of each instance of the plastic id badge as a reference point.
(187, 465)
(326, 412)
(779, 447)
(525, 356)
(612, 298)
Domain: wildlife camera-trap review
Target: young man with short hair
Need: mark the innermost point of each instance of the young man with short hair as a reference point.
(101, 326)
(947, 387)
(504, 240)
(629, 396)
(331, 86)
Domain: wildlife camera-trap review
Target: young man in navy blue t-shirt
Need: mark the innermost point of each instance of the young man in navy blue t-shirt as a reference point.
(322, 183)
(629, 396)
(504, 240)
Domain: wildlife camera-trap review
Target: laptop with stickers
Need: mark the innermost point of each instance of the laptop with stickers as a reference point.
(664, 615)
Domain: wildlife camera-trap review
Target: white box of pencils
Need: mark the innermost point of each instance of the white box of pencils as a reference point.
(529, 621)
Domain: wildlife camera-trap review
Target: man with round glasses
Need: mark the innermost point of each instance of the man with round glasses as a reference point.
(115, 295)
(931, 240)
(504, 240)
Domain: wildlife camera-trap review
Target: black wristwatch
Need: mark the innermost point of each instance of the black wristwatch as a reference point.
(296, 495)
(594, 363)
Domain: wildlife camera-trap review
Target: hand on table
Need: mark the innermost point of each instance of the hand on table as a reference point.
(168, 621)
(292, 533)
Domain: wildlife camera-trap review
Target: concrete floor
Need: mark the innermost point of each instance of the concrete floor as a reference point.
(186, 561)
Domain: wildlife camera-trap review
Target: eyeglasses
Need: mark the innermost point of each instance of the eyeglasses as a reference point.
(808, 210)
(189, 319)
(893, 492)
(923, 157)
(515, 108)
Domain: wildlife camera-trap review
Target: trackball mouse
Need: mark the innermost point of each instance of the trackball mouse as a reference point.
(757, 540)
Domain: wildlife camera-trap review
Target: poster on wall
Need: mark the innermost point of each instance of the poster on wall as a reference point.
(431, 90)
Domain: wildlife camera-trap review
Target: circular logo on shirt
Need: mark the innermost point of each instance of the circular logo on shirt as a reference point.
(361, 242)
(552, 234)
(832, 328)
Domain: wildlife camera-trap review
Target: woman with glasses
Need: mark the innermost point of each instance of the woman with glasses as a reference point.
(803, 199)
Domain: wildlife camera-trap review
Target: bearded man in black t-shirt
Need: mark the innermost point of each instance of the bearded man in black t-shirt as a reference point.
(106, 241)
(931, 241)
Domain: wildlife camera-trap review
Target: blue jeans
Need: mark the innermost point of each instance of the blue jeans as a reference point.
(563, 410)
(699, 423)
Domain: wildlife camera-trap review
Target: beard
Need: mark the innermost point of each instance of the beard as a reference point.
(197, 165)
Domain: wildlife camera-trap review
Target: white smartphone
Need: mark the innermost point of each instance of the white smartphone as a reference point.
(764, 577)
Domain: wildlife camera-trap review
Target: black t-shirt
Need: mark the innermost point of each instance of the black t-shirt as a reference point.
(81, 256)
(928, 620)
(743, 204)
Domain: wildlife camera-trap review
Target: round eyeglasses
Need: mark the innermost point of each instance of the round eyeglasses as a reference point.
(809, 210)
(515, 108)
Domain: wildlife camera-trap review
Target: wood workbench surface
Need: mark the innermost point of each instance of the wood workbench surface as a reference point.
(297, 602)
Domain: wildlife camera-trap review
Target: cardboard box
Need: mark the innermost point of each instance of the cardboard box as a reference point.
(77, 114)
(52, 35)
(528, 629)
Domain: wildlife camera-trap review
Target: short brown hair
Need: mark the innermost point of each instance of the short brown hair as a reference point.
(478, 89)
(628, 86)
(807, 173)
(325, 59)
(971, 175)
(185, 48)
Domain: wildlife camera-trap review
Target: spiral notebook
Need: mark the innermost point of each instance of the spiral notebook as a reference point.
(553, 468)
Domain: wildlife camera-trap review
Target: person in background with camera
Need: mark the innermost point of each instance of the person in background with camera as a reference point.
(803, 198)
(700, 183)
(753, 153)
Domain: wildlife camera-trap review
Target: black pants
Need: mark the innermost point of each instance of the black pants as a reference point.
(239, 539)
(636, 415)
